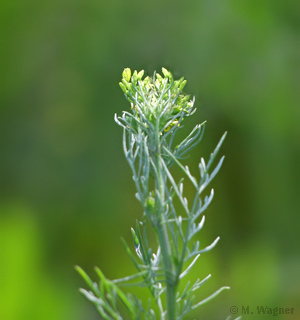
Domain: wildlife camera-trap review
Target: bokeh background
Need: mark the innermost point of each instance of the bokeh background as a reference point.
(66, 190)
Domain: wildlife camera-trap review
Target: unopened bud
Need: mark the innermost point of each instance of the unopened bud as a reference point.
(184, 98)
(135, 239)
(126, 74)
(122, 87)
(128, 85)
(140, 75)
(150, 204)
(147, 80)
(177, 109)
(165, 72)
(178, 82)
(158, 76)
(134, 76)
(182, 85)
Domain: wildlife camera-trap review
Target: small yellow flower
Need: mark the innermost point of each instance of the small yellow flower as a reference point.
(174, 123)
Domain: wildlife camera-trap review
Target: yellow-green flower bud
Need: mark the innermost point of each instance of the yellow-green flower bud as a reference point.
(147, 80)
(126, 74)
(135, 77)
(135, 239)
(158, 76)
(188, 105)
(150, 204)
(165, 72)
(176, 109)
(184, 98)
(182, 85)
(128, 85)
(178, 82)
(122, 87)
(140, 75)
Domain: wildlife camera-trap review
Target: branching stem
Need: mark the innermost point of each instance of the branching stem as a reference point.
(162, 233)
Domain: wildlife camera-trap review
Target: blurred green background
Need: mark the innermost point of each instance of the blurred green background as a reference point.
(66, 190)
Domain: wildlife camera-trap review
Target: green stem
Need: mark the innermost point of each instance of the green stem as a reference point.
(163, 237)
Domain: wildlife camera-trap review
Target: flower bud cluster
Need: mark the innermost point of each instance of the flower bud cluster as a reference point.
(157, 100)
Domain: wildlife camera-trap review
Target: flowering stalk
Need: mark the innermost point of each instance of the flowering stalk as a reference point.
(158, 108)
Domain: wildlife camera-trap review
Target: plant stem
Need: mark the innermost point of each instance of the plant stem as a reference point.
(163, 236)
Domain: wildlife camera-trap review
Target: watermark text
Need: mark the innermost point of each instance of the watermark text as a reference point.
(262, 310)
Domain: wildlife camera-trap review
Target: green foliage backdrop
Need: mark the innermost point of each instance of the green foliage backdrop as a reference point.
(66, 193)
